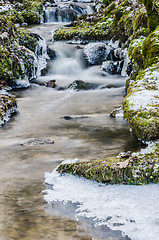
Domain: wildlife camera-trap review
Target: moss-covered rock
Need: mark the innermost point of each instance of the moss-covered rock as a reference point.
(126, 168)
(136, 54)
(31, 17)
(8, 106)
(152, 9)
(18, 48)
(151, 48)
(141, 105)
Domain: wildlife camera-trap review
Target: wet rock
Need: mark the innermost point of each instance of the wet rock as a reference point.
(8, 106)
(96, 53)
(80, 85)
(117, 112)
(112, 67)
(44, 71)
(51, 53)
(67, 118)
(36, 142)
(51, 84)
(136, 168)
(109, 67)
(125, 154)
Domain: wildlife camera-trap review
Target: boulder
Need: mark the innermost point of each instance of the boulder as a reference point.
(96, 53)
(51, 53)
(80, 85)
(112, 67)
(50, 84)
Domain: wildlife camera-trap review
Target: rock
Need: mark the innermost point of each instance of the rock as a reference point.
(44, 71)
(8, 106)
(4, 37)
(51, 53)
(116, 112)
(136, 168)
(36, 142)
(141, 105)
(96, 53)
(109, 67)
(80, 85)
(50, 84)
(112, 67)
(67, 117)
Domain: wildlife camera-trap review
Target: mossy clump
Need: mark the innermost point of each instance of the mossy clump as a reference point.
(136, 55)
(141, 105)
(152, 9)
(27, 11)
(8, 106)
(151, 48)
(17, 48)
(27, 39)
(125, 169)
(31, 17)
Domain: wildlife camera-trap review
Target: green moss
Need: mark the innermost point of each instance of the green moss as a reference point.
(145, 120)
(151, 48)
(139, 20)
(6, 103)
(127, 169)
(31, 17)
(27, 39)
(135, 53)
(153, 16)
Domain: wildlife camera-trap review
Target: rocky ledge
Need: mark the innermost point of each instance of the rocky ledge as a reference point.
(127, 168)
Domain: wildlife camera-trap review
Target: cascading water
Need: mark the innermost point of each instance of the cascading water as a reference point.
(61, 123)
(65, 11)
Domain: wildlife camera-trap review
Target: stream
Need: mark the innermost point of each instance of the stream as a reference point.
(56, 124)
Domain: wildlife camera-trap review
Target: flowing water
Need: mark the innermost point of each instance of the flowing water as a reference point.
(40, 136)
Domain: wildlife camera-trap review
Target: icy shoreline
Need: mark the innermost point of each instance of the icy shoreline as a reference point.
(131, 209)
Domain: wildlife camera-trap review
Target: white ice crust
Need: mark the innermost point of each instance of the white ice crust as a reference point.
(132, 209)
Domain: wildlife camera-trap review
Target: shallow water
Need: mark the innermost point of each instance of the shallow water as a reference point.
(38, 138)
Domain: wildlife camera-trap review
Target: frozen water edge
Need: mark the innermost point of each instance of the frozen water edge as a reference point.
(134, 210)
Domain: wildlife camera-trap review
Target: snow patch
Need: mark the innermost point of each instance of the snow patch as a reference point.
(134, 210)
(146, 92)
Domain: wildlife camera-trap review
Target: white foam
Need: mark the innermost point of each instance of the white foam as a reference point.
(132, 209)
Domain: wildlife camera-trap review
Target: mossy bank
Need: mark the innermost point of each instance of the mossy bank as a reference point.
(127, 168)
(20, 50)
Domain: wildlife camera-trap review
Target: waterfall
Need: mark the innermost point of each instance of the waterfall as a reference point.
(41, 53)
(65, 11)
